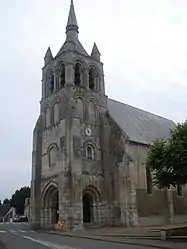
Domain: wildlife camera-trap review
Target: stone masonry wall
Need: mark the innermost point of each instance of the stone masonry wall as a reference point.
(156, 203)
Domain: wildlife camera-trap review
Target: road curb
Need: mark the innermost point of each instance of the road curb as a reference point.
(131, 237)
(110, 240)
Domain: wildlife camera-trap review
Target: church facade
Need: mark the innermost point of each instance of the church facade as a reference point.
(89, 151)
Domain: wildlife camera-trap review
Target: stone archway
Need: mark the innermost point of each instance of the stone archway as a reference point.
(90, 201)
(54, 208)
(50, 205)
(87, 208)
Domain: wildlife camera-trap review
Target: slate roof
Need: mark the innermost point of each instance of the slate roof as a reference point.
(74, 46)
(139, 125)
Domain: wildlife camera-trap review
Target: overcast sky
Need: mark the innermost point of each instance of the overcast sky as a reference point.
(143, 44)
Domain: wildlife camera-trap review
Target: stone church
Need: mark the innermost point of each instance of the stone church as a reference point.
(89, 151)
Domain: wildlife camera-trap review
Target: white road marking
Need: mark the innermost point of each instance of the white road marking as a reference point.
(18, 231)
(48, 244)
(41, 242)
(13, 231)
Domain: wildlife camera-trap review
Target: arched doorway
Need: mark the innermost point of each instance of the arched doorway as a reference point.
(50, 205)
(54, 208)
(87, 208)
(90, 201)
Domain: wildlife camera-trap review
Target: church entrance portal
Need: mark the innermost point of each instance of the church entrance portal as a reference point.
(51, 206)
(87, 208)
(54, 208)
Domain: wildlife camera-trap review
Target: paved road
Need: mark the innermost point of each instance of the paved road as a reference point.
(19, 236)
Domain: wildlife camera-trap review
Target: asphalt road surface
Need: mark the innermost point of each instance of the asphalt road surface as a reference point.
(19, 236)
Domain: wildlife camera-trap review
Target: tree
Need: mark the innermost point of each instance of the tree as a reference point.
(0, 203)
(6, 201)
(167, 159)
(178, 148)
(18, 199)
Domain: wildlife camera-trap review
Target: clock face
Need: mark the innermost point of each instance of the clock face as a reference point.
(88, 131)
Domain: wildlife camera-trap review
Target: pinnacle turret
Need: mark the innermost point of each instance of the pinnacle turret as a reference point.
(95, 52)
(48, 56)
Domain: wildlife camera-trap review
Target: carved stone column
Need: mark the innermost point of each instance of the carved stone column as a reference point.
(128, 203)
(45, 217)
(69, 74)
(77, 178)
(102, 83)
(123, 195)
(55, 82)
(133, 214)
(86, 78)
(95, 213)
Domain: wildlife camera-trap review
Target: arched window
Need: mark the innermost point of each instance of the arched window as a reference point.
(51, 83)
(53, 156)
(77, 74)
(92, 79)
(47, 117)
(89, 152)
(56, 113)
(62, 77)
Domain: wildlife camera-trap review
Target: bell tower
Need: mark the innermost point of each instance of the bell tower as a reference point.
(72, 66)
(73, 97)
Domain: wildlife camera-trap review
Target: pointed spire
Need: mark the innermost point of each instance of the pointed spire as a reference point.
(72, 27)
(48, 56)
(72, 20)
(95, 52)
